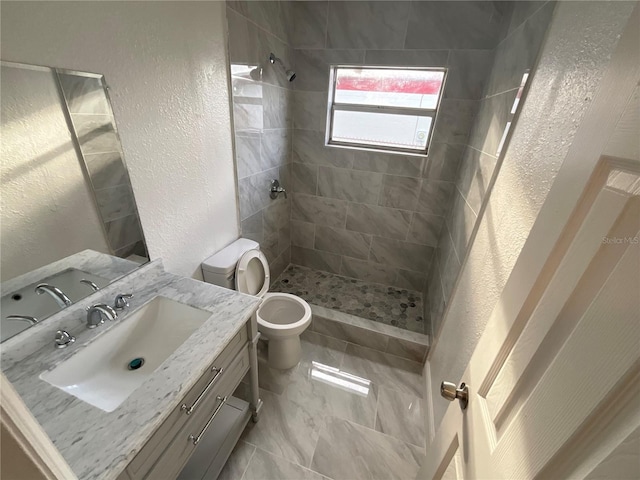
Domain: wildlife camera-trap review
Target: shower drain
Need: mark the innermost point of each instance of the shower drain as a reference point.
(135, 364)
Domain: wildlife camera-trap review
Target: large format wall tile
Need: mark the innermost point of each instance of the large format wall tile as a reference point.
(409, 58)
(248, 157)
(468, 70)
(302, 234)
(410, 256)
(309, 24)
(361, 187)
(435, 197)
(327, 262)
(342, 242)
(368, 271)
(309, 147)
(304, 178)
(310, 110)
(425, 229)
(319, 210)
(381, 221)
(453, 25)
(312, 66)
(276, 148)
(372, 25)
(400, 192)
(474, 177)
(443, 162)
(406, 165)
(491, 122)
(454, 121)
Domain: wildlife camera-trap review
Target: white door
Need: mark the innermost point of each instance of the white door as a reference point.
(554, 382)
(554, 386)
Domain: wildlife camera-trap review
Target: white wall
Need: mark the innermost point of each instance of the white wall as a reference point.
(568, 74)
(47, 208)
(165, 64)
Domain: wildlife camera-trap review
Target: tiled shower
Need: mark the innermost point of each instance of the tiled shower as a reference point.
(397, 225)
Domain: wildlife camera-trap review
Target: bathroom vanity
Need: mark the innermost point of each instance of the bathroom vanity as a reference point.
(148, 395)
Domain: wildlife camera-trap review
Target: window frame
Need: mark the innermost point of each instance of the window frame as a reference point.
(352, 107)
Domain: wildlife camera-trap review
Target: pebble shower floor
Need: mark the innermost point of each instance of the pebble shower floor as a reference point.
(380, 303)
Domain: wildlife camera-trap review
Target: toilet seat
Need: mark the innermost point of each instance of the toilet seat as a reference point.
(252, 273)
(253, 278)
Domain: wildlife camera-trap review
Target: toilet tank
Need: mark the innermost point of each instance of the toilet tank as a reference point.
(220, 268)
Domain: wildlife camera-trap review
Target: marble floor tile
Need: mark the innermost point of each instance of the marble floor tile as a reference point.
(347, 451)
(238, 461)
(265, 466)
(383, 369)
(288, 429)
(401, 415)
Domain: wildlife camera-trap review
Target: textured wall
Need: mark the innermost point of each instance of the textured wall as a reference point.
(367, 215)
(569, 71)
(262, 105)
(47, 207)
(166, 66)
(524, 27)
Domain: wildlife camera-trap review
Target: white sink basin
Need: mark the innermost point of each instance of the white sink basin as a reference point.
(101, 373)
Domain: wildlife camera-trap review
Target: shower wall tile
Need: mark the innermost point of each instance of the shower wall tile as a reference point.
(248, 115)
(436, 300)
(382, 221)
(474, 177)
(409, 256)
(443, 162)
(435, 197)
(309, 147)
(425, 229)
(252, 227)
(96, 133)
(115, 202)
(313, 66)
(327, 262)
(454, 121)
(361, 187)
(460, 222)
(405, 165)
(453, 25)
(310, 24)
(492, 120)
(270, 15)
(379, 25)
(410, 280)
(319, 210)
(409, 58)
(248, 158)
(368, 271)
(516, 55)
(522, 11)
(243, 40)
(276, 148)
(277, 107)
(304, 178)
(106, 170)
(468, 70)
(253, 192)
(302, 234)
(450, 267)
(350, 333)
(400, 192)
(84, 94)
(310, 110)
(342, 242)
(123, 231)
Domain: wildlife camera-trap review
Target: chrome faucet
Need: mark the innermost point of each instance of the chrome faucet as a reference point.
(64, 339)
(276, 189)
(97, 312)
(58, 295)
(122, 301)
(92, 285)
(23, 318)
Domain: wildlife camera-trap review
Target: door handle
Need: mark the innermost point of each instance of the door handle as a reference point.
(449, 391)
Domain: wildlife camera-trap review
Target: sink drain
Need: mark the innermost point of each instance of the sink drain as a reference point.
(136, 363)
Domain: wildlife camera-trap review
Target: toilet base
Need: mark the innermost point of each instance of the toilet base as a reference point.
(284, 353)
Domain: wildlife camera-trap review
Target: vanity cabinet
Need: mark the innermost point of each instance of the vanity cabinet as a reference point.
(206, 416)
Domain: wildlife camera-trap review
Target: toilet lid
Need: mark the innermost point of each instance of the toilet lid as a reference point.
(252, 273)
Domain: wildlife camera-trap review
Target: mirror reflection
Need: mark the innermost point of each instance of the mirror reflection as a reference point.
(69, 221)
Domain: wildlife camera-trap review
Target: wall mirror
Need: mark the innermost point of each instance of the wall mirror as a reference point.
(69, 223)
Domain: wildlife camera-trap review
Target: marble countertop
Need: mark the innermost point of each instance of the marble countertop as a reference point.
(97, 444)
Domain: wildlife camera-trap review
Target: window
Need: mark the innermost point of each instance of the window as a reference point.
(380, 108)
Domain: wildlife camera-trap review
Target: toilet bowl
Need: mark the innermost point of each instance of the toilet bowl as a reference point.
(281, 317)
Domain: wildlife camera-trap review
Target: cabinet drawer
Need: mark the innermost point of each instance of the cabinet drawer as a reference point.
(183, 445)
(179, 416)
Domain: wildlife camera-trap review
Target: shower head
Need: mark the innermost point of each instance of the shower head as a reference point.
(291, 75)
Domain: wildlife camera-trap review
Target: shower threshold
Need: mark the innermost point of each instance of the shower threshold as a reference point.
(383, 304)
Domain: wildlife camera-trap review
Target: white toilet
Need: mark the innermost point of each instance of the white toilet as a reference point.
(281, 317)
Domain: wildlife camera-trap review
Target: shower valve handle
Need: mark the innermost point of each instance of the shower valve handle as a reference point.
(276, 189)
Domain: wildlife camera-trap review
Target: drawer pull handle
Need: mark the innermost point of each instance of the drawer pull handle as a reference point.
(189, 410)
(222, 401)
